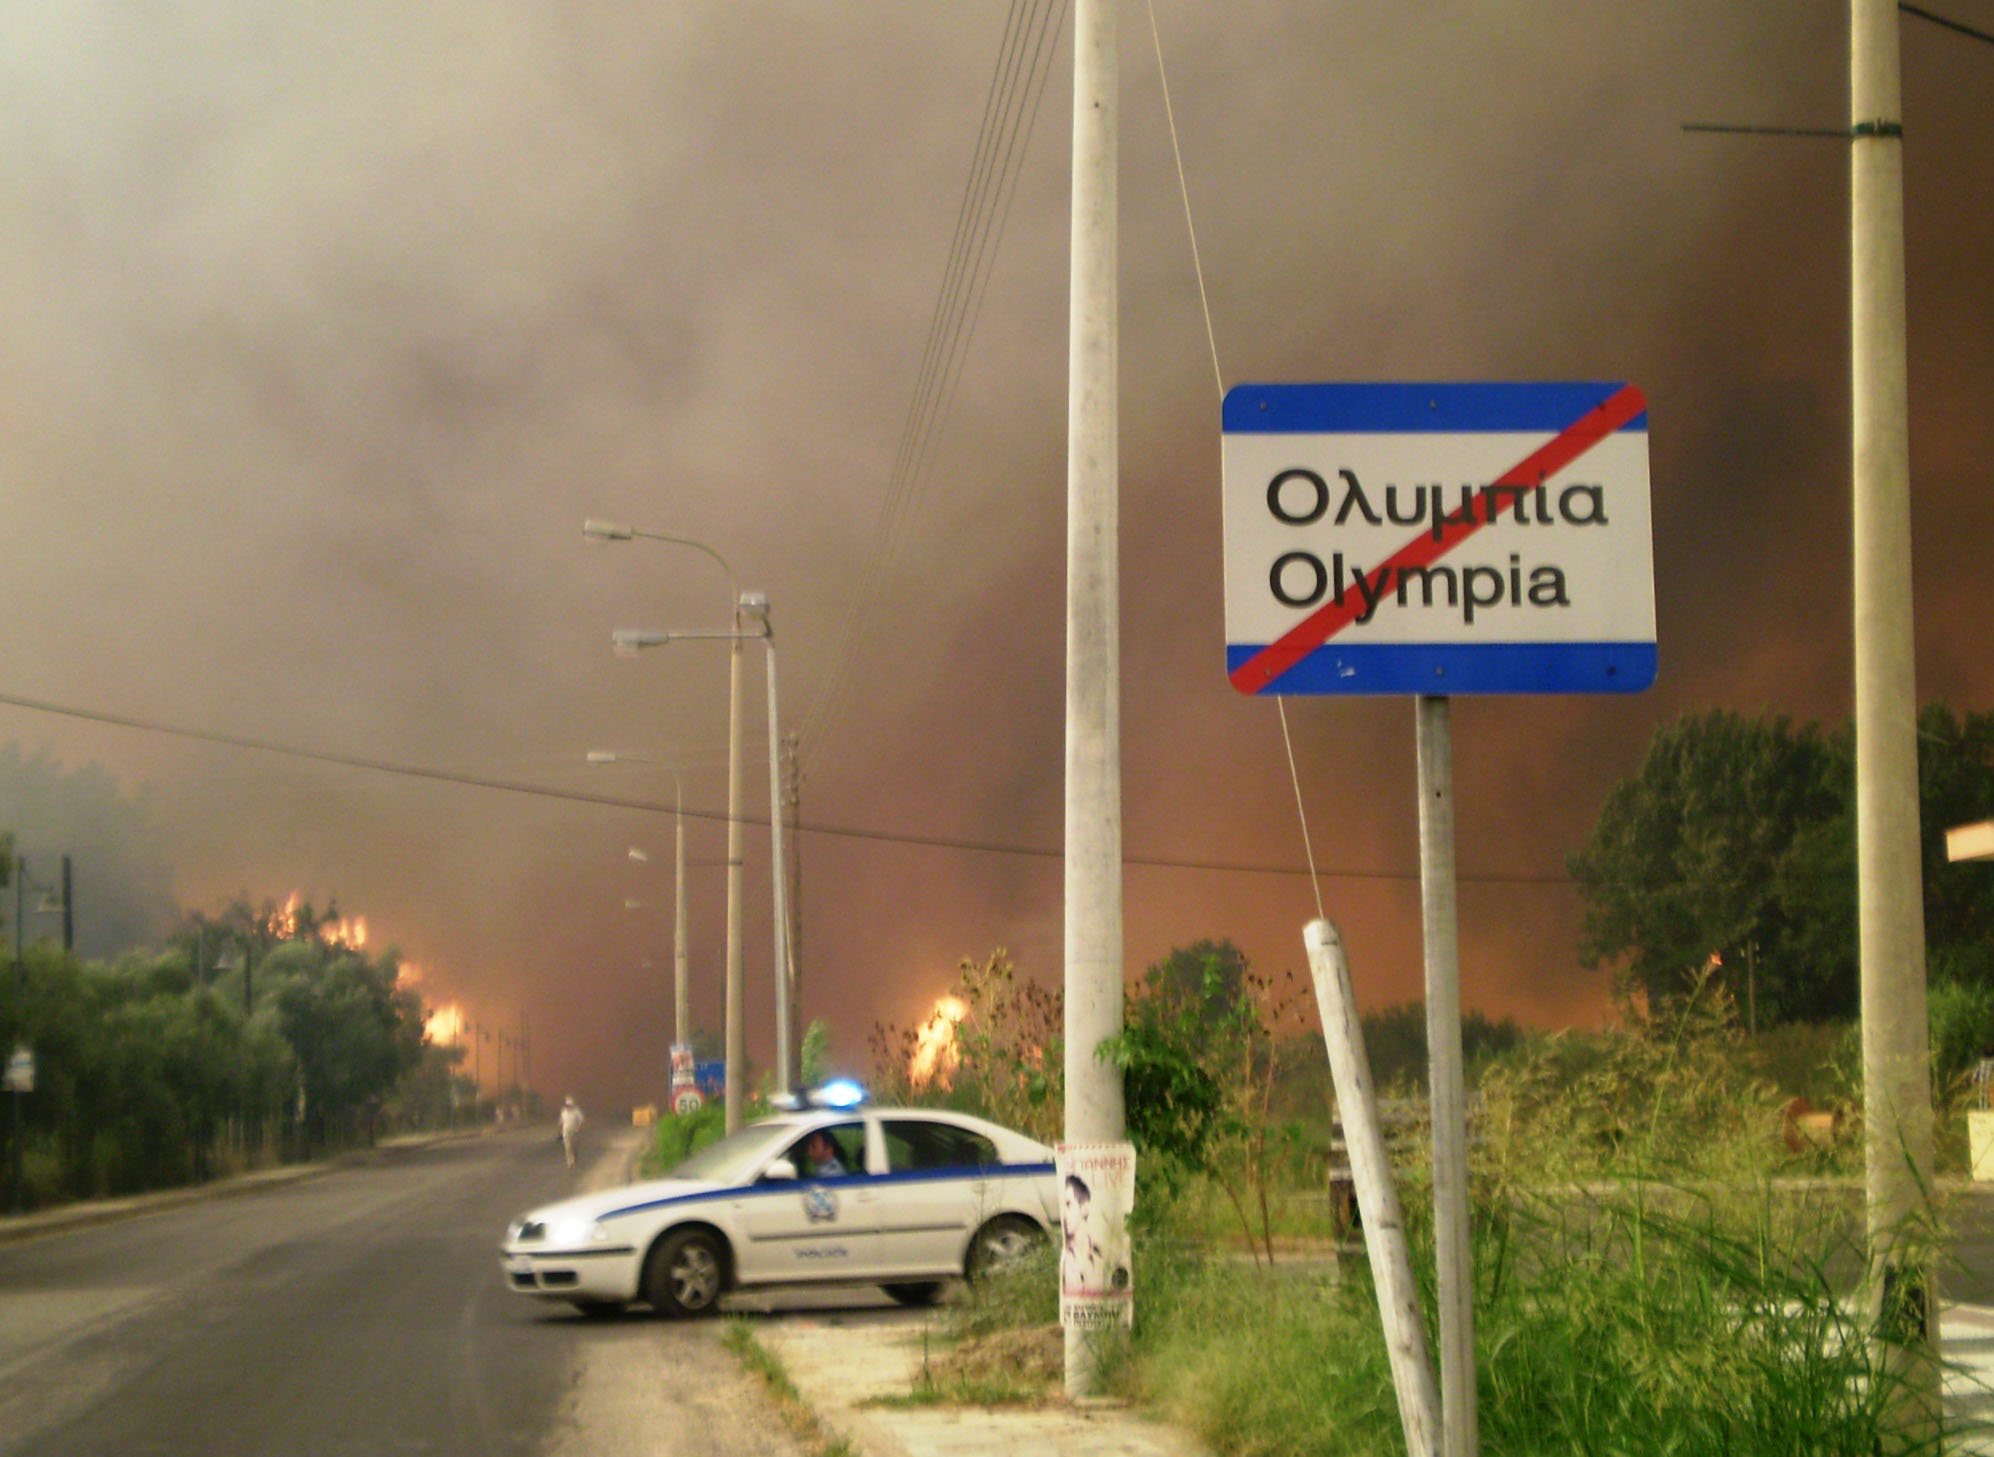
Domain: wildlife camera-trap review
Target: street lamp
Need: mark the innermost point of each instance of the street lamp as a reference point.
(753, 605)
(238, 957)
(737, 1047)
(681, 1017)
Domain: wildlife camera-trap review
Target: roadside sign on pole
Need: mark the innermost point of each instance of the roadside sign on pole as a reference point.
(1438, 539)
(21, 1070)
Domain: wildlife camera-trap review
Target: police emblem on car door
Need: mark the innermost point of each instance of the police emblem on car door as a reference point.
(821, 1222)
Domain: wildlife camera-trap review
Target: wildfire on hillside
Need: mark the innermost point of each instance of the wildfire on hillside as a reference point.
(445, 1024)
(349, 934)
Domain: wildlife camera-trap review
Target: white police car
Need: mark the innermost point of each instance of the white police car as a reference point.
(901, 1198)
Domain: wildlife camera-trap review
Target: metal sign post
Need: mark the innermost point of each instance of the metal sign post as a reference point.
(1446, 1081)
(1433, 540)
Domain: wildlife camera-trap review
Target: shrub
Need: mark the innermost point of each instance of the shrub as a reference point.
(677, 1136)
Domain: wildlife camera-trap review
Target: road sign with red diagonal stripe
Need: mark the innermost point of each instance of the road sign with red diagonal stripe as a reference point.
(1438, 538)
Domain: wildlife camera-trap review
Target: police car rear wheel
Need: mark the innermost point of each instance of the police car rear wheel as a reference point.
(1005, 1239)
(686, 1274)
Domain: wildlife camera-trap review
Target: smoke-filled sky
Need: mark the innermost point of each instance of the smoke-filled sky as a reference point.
(327, 326)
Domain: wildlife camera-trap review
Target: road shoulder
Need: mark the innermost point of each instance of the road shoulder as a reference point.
(844, 1368)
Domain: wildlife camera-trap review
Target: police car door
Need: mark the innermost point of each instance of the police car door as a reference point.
(940, 1187)
(816, 1226)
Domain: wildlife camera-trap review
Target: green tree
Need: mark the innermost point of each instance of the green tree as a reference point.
(1733, 848)
(1173, 1056)
(1695, 857)
(1199, 1061)
(354, 1031)
(1205, 977)
(1395, 1044)
(118, 844)
(815, 1054)
(1956, 787)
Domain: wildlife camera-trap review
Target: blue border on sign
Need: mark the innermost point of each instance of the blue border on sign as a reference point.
(1437, 668)
(1406, 409)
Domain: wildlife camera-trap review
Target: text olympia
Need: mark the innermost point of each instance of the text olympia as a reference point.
(1420, 538)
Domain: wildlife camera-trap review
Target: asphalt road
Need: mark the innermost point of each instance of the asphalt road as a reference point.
(360, 1312)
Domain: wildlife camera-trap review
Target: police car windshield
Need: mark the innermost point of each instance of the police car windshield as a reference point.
(734, 1156)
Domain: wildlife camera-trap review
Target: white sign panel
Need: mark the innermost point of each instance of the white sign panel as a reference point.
(1438, 538)
(1096, 1197)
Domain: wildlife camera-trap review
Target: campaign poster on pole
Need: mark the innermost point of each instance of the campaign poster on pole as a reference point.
(1096, 1197)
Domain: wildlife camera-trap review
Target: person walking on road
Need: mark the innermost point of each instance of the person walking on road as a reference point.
(571, 1124)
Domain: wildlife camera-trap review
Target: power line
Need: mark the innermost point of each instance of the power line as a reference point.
(1840, 134)
(1952, 25)
(609, 801)
(1011, 106)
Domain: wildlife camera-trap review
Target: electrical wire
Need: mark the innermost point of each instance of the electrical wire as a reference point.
(652, 806)
(1011, 107)
(1952, 25)
(1218, 377)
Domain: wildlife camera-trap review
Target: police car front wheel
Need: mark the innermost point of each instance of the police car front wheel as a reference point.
(686, 1273)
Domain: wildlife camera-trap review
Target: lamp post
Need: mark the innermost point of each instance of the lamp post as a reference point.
(754, 605)
(681, 1015)
(15, 1200)
(737, 1051)
(238, 957)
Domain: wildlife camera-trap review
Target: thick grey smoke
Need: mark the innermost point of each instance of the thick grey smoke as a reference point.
(327, 328)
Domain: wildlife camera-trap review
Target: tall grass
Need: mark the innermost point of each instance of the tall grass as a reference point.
(1649, 1279)
(1644, 1283)
(1605, 1324)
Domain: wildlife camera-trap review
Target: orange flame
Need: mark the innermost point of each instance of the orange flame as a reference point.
(344, 933)
(349, 935)
(935, 1056)
(445, 1024)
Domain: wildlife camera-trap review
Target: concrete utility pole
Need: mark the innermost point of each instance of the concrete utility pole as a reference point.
(756, 605)
(792, 802)
(1093, 887)
(1897, 1092)
(736, 1084)
(681, 966)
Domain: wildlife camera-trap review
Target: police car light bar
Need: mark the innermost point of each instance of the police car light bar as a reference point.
(838, 1093)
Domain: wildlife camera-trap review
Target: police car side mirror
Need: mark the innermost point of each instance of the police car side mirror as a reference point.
(779, 1169)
